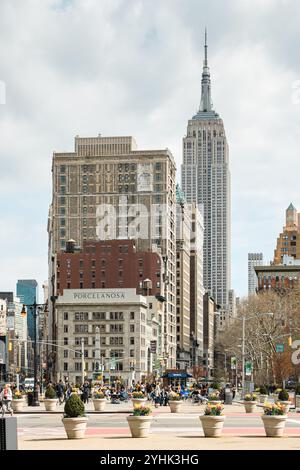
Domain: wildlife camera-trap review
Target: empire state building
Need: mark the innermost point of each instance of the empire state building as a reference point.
(206, 180)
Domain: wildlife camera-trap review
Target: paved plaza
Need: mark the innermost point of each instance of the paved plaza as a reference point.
(38, 430)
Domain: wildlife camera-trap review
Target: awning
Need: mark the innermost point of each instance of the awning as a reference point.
(176, 375)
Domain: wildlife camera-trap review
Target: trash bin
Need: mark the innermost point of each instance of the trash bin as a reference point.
(30, 398)
(228, 397)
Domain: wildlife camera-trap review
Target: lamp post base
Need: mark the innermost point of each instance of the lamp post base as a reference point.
(35, 401)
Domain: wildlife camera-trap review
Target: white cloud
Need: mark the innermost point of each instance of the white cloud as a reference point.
(134, 67)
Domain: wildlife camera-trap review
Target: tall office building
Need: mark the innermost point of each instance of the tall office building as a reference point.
(254, 259)
(288, 241)
(206, 180)
(189, 282)
(27, 291)
(107, 189)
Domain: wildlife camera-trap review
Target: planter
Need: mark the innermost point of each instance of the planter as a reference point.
(212, 425)
(50, 404)
(75, 427)
(17, 405)
(139, 425)
(263, 398)
(175, 406)
(250, 406)
(274, 425)
(286, 405)
(215, 402)
(297, 401)
(138, 401)
(99, 404)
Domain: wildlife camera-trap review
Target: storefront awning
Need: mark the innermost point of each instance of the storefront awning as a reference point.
(176, 375)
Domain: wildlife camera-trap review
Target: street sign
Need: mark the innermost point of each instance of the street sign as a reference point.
(233, 363)
(248, 368)
(280, 348)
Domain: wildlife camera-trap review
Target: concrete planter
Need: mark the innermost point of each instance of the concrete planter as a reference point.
(297, 401)
(274, 425)
(250, 406)
(263, 398)
(50, 404)
(17, 405)
(138, 401)
(286, 405)
(212, 425)
(215, 402)
(175, 406)
(75, 427)
(139, 425)
(99, 404)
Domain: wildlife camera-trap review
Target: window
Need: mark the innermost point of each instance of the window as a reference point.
(66, 353)
(131, 315)
(65, 366)
(83, 316)
(66, 316)
(131, 353)
(131, 328)
(65, 341)
(98, 315)
(65, 328)
(62, 168)
(116, 315)
(78, 366)
(81, 328)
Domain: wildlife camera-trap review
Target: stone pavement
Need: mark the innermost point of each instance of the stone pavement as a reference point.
(168, 437)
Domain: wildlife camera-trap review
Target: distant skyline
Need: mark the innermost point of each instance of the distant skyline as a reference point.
(133, 67)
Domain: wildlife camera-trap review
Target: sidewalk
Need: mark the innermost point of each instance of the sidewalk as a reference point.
(186, 441)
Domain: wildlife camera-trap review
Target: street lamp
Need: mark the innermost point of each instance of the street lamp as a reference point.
(34, 309)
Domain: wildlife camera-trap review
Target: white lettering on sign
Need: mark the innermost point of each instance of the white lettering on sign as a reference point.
(98, 295)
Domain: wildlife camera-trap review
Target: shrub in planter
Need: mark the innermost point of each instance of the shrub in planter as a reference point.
(214, 397)
(250, 400)
(50, 399)
(283, 395)
(274, 419)
(99, 400)
(74, 418)
(175, 401)
(216, 386)
(297, 393)
(139, 421)
(263, 394)
(17, 401)
(138, 398)
(212, 421)
(283, 398)
(50, 393)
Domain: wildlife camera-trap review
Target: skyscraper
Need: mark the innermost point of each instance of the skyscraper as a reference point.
(288, 240)
(206, 180)
(27, 291)
(254, 259)
(107, 189)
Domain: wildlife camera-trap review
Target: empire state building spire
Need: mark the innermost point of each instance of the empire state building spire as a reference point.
(205, 104)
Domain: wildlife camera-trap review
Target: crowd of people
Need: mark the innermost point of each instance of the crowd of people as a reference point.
(116, 392)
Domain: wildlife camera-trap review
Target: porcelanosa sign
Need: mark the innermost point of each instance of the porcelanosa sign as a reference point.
(98, 296)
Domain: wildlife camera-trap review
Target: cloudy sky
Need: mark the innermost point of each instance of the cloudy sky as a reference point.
(133, 67)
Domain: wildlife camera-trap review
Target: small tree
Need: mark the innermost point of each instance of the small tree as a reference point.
(50, 393)
(283, 395)
(74, 407)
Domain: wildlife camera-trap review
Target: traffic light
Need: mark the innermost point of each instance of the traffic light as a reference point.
(290, 341)
(10, 345)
